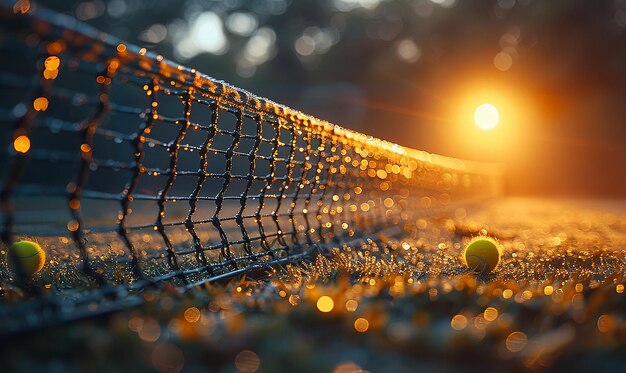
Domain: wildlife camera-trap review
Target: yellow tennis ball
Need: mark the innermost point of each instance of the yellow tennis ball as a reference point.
(28, 255)
(482, 254)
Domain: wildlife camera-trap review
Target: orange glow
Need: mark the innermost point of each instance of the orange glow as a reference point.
(21, 144)
(121, 48)
(40, 104)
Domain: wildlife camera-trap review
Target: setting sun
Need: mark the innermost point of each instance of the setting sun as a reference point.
(486, 117)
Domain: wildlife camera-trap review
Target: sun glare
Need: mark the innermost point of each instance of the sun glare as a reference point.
(486, 117)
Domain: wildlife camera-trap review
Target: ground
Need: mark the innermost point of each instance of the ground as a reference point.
(399, 302)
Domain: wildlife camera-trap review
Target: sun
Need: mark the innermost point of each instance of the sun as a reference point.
(486, 117)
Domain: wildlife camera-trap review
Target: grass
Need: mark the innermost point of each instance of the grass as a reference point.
(401, 303)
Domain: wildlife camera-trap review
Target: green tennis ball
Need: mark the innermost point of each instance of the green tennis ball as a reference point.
(28, 255)
(482, 254)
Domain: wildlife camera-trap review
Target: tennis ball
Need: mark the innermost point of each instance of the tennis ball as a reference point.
(482, 254)
(28, 255)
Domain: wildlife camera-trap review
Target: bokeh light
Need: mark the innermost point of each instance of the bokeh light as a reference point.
(325, 304)
(516, 341)
(21, 144)
(40, 104)
(361, 325)
(247, 361)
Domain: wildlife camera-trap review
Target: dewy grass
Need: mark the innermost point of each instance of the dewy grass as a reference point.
(409, 300)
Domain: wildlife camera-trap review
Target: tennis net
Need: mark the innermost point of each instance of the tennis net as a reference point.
(131, 170)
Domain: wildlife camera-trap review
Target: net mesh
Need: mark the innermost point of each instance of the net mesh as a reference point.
(133, 171)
